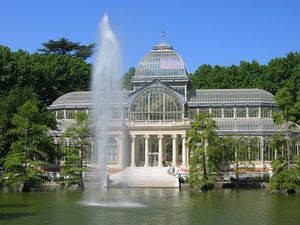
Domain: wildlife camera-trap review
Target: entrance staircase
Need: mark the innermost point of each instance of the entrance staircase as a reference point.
(144, 177)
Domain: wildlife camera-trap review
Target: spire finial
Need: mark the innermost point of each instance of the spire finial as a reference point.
(163, 36)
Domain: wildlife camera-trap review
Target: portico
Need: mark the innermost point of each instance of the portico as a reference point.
(158, 149)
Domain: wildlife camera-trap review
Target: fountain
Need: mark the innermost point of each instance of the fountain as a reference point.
(107, 98)
(107, 95)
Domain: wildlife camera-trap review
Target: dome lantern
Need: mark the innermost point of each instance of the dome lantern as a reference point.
(162, 62)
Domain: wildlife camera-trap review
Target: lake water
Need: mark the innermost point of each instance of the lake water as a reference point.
(150, 206)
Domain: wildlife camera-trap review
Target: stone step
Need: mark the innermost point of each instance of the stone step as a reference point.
(144, 177)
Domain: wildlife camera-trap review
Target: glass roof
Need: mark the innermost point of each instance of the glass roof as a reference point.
(161, 61)
(79, 99)
(200, 98)
(207, 97)
(250, 125)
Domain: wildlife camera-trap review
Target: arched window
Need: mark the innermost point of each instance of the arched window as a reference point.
(112, 150)
(156, 104)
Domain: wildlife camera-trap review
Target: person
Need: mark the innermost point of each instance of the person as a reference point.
(169, 169)
(173, 169)
(180, 171)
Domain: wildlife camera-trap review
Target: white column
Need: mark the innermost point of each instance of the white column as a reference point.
(146, 150)
(137, 150)
(249, 147)
(68, 142)
(160, 150)
(92, 150)
(184, 158)
(187, 156)
(262, 151)
(132, 164)
(121, 151)
(174, 152)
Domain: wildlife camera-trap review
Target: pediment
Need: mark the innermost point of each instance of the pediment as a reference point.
(156, 84)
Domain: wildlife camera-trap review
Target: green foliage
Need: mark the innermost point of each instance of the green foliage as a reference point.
(31, 147)
(127, 77)
(9, 105)
(281, 118)
(285, 180)
(45, 77)
(57, 75)
(49, 76)
(246, 75)
(64, 46)
(277, 143)
(278, 165)
(288, 105)
(76, 155)
(203, 142)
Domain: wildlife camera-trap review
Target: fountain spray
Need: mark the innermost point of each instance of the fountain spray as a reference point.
(107, 94)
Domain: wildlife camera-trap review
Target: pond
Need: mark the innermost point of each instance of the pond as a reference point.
(149, 206)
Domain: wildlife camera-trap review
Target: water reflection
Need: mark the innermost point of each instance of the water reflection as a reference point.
(150, 206)
(113, 204)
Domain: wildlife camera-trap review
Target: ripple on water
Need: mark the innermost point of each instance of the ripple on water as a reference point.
(110, 204)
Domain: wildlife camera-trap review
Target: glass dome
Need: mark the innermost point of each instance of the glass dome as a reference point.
(161, 61)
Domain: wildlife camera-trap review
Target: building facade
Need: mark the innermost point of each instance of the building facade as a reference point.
(160, 108)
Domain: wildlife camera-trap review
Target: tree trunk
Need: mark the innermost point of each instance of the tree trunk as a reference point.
(204, 167)
(25, 187)
(288, 154)
(287, 143)
(80, 186)
(236, 167)
(291, 191)
(237, 174)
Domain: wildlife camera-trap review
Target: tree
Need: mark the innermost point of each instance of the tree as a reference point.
(32, 147)
(280, 118)
(53, 75)
(203, 143)
(285, 175)
(84, 51)
(76, 155)
(49, 76)
(127, 78)
(64, 46)
(284, 178)
(9, 105)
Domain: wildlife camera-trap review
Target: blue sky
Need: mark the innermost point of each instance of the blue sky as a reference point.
(202, 32)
